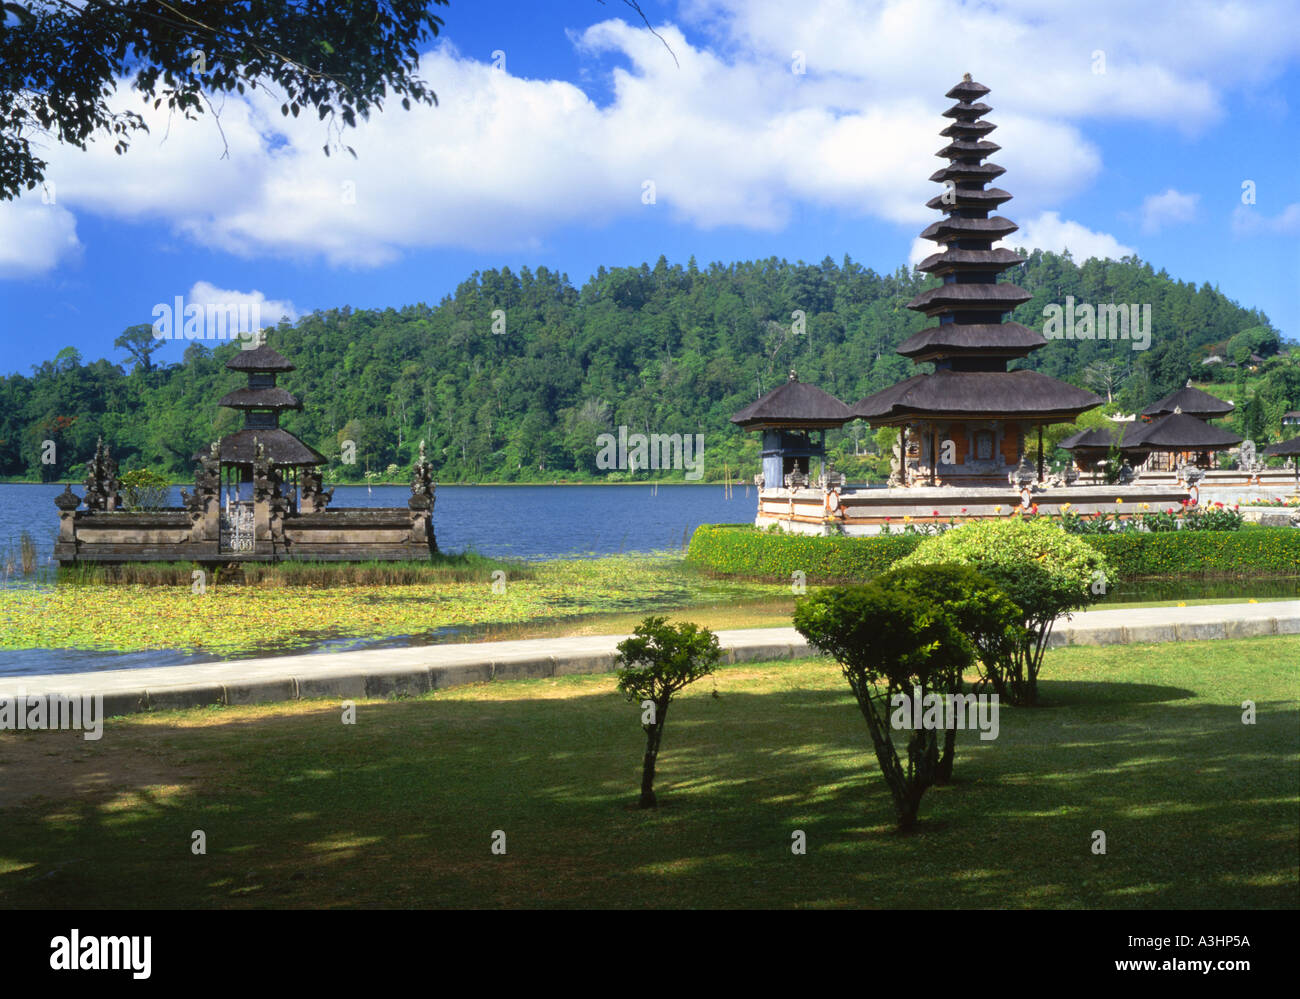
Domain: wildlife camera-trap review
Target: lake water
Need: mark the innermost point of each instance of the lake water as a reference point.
(519, 522)
(525, 522)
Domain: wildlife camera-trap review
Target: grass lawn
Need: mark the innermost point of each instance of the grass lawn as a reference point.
(1143, 742)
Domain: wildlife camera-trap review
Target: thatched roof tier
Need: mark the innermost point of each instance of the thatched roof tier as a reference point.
(969, 197)
(953, 260)
(975, 172)
(967, 111)
(962, 227)
(1184, 432)
(1002, 339)
(259, 398)
(261, 358)
(1127, 435)
(1284, 449)
(967, 90)
(1012, 395)
(967, 297)
(281, 447)
(1191, 401)
(966, 148)
(794, 404)
(968, 129)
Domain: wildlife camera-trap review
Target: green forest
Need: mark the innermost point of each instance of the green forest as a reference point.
(514, 376)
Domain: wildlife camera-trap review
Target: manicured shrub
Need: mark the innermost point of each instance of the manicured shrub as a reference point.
(744, 551)
(1044, 570)
(656, 662)
(983, 616)
(888, 643)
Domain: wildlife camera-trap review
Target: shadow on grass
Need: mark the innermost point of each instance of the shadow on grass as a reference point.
(400, 809)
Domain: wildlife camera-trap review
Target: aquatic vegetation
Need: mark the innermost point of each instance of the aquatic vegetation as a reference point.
(229, 619)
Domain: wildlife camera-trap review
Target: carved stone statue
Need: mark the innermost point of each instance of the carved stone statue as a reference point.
(422, 487)
(269, 502)
(896, 463)
(315, 497)
(101, 480)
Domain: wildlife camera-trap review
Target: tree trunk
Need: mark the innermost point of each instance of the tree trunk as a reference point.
(654, 734)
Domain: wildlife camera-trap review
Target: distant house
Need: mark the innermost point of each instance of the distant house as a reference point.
(1291, 419)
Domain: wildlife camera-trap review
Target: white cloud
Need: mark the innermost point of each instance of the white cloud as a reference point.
(35, 237)
(1247, 220)
(732, 137)
(1046, 231)
(1160, 210)
(271, 310)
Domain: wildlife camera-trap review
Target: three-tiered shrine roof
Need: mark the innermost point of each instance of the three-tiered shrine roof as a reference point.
(262, 402)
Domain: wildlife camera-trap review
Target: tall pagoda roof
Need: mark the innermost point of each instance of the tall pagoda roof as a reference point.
(794, 404)
(971, 343)
(1192, 401)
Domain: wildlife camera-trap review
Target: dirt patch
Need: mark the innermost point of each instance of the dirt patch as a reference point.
(65, 765)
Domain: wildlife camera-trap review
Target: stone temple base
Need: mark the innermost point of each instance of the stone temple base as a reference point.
(870, 511)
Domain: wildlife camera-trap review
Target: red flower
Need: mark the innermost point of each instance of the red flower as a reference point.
(963, 509)
(934, 513)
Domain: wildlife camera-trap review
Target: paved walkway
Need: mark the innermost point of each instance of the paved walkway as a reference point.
(385, 672)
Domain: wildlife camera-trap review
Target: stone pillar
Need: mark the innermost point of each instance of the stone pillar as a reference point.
(421, 503)
(67, 502)
(204, 507)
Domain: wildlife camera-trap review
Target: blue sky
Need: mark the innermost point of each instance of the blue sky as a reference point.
(1125, 127)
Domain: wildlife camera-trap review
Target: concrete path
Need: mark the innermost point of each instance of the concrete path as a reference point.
(388, 672)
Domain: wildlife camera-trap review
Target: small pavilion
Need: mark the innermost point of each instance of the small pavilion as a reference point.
(793, 419)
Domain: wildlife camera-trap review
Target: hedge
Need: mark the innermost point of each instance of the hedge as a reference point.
(744, 550)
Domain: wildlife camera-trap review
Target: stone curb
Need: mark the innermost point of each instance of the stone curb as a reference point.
(319, 677)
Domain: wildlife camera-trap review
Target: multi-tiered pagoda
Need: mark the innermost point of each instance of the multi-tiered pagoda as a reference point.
(968, 421)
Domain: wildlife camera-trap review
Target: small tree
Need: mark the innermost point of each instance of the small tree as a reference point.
(1044, 570)
(656, 662)
(888, 642)
(982, 615)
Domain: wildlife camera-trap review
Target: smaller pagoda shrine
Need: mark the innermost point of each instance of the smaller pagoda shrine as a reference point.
(793, 419)
(283, 513)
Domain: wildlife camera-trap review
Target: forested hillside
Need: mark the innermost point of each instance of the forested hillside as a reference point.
(662, 349)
